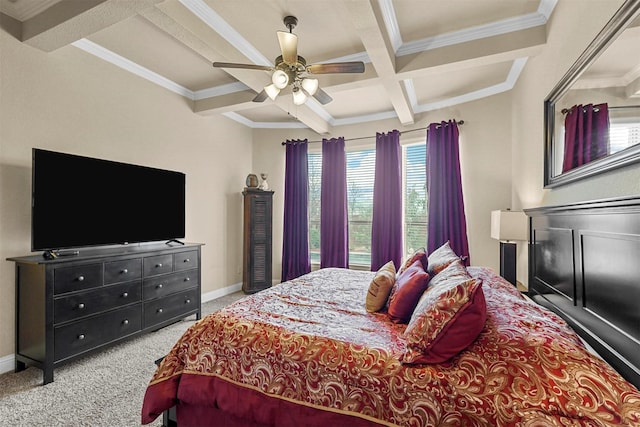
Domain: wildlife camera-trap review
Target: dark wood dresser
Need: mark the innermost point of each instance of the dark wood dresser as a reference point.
(71, 305)
(256, 274)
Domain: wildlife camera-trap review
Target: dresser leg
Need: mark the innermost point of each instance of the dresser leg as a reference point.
(20, 366)
(47, 376)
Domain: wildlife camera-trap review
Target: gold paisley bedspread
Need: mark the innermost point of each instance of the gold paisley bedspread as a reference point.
(311, 342)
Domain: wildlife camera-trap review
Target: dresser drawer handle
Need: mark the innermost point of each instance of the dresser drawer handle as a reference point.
(159, 286)
(158, 265)
(125, 322)
(81, 336)
(80, 278)
(81, 306)
(126, 294)
(188, 301)
(160, 310)
(125, 271)
(186, 279)
(186, 260)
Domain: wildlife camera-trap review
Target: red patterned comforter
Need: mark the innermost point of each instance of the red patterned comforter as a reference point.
(308, 349)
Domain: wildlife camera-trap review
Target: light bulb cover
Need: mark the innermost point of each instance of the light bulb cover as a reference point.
(272, 91)
(310, 85)
(280, 79)
(299, 97)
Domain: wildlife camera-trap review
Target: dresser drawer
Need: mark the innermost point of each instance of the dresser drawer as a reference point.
(160, 264)
(77, 337)
(76, 278)
(173, 306)
(160, 286)
(186, 260)
(84, 304)
(122, 271)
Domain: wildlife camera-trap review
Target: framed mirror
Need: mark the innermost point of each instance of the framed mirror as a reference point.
(592, 116)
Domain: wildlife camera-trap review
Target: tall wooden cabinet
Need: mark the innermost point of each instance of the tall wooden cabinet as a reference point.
(256, 274)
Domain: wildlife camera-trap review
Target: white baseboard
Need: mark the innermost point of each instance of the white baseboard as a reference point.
(221, 292)
(7, 363)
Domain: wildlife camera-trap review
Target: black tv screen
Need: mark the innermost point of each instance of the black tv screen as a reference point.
(80, 201)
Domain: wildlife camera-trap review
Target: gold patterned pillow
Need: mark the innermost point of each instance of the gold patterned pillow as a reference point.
(440, 259)
(380, 287)
(448, 318)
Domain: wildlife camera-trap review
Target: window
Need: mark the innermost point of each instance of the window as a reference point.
(360, 180)
(415, 197)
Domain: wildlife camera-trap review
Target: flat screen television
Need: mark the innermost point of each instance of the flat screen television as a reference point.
(81, 201)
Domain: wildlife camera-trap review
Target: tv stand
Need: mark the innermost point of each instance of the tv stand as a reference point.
(71, 306)
(168, 242)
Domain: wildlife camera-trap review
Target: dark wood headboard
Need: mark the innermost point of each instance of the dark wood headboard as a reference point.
(584, 264)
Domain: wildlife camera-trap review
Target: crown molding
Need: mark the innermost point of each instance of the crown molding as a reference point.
(391, 23)
(263, 125)
(132, 67)
(504, 26)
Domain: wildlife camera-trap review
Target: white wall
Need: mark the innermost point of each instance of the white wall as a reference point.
(73, 102)
(573, 26)
(485, 157)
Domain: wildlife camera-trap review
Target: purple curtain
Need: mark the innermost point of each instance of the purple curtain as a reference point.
(295, 239)
(334, 235)
(586, 135)
(446, 220)
(386, 228)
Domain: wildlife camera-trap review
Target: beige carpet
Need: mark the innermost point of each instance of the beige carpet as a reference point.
(104, 389)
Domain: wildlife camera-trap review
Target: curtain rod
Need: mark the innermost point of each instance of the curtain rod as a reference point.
(619, 107)
(460, 122)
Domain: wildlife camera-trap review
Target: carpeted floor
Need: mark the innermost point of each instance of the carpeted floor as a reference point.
(104, 389)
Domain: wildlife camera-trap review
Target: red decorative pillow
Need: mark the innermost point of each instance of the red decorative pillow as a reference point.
(440, 259)
(420, 254)
(406, 292)
(447, 319)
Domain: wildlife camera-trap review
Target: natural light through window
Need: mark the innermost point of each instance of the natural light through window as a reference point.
(360, 180)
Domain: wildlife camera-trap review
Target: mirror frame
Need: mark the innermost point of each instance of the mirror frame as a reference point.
(617, 24)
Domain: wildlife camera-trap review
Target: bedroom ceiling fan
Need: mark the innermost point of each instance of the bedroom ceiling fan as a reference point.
(290, 69)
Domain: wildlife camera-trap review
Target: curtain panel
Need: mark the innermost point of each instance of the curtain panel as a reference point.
(334, 234)
(386, 228)
(586, 135)
(295, 239)
(446, 217)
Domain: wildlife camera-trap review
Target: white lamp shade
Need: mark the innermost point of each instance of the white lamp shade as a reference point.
(280, 79)
(310, 85)
(299, 97)
(508, 225)
(272, 91)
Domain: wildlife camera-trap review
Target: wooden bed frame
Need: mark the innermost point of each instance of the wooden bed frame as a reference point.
(584, 264)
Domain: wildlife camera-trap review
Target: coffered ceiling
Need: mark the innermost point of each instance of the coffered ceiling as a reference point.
(419, 55)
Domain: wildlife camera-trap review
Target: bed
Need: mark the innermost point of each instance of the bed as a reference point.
(471, 351)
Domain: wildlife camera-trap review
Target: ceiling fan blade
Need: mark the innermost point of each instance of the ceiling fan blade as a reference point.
(261, 96)
(288, 46)
(337, 67)
(322, 97)
(246, 66)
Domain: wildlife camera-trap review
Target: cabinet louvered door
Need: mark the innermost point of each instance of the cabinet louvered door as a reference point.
(257, 240)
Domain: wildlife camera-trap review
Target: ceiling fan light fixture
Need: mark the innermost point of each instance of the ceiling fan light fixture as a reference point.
(272, 91)
(299, 97)
(280, 79)
(310, 85)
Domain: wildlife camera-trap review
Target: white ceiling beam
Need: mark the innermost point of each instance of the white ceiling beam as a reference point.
(492, 50)
(69, 21)
(382, 55)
